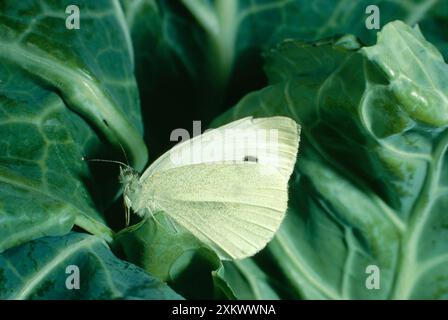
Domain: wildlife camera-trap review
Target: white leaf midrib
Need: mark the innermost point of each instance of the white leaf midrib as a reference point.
(72, 81)
(418, 11)
(409, 263)
(63, 254)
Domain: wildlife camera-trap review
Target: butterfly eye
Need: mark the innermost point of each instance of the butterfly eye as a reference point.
(250, 159)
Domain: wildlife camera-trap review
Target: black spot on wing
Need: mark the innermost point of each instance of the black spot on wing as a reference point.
(250, 159)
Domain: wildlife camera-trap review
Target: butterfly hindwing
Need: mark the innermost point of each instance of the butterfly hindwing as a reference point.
(236, 209)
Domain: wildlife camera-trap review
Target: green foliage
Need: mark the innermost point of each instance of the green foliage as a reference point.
(370, 181)
(42, 275)
(63, 95)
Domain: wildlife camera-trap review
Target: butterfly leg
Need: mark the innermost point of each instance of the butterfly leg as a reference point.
(127, 213)
(173, 227)
(167, 223)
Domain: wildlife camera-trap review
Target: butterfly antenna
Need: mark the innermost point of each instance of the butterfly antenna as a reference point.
(107, 161)
(127, 210)
(124, 153)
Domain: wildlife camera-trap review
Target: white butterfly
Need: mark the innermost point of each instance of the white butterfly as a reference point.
(233, 199)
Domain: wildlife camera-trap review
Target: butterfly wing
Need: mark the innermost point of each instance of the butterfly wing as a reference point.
(233, 203)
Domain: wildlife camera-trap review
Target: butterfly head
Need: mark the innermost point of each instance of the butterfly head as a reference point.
(130, 179)
(128, 175)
